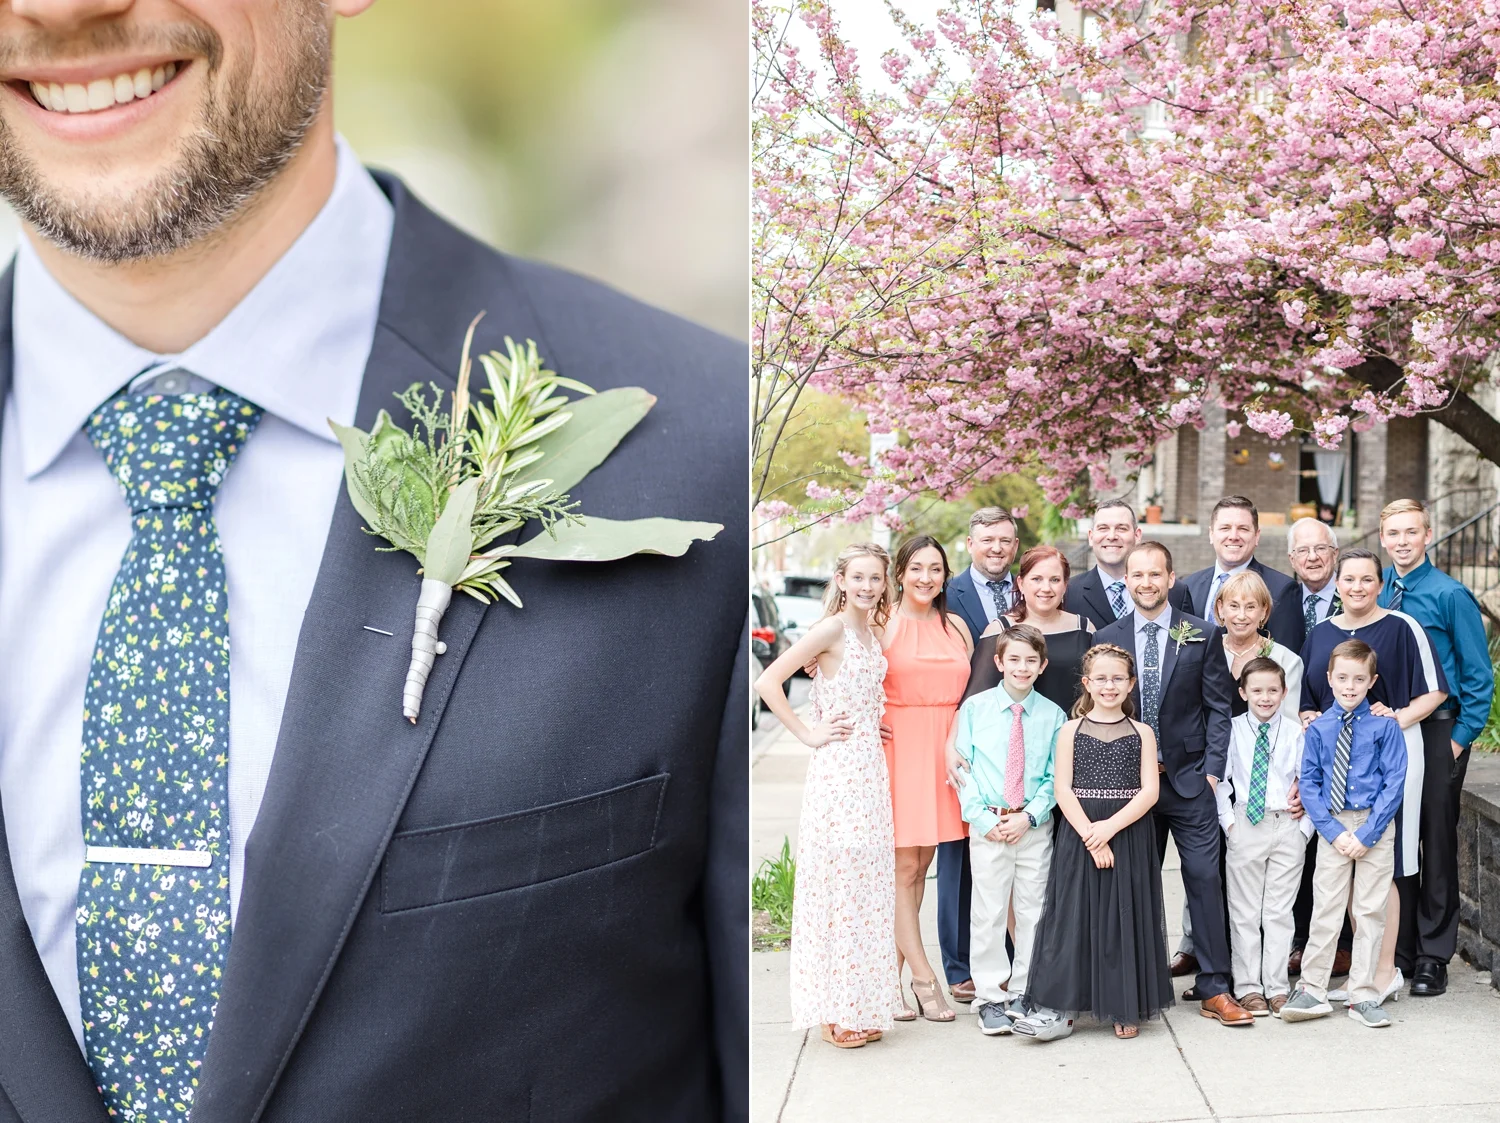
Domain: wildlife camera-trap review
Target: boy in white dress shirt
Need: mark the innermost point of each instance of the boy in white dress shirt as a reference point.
(1265, 842)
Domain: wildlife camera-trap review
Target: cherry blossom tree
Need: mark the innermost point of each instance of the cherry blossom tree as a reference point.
(1052, 247)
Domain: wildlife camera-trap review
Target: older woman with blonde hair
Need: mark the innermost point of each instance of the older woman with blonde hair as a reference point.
(1243, 607)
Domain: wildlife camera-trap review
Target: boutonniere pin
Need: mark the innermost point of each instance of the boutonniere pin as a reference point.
(1183, 632)
(483, 467)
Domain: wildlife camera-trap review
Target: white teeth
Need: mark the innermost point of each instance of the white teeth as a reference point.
(102, 93)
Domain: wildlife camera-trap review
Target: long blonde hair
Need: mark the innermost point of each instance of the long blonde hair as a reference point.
(834, 597)
(1085, 701)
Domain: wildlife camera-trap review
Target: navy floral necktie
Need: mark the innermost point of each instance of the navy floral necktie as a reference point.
(153, 900)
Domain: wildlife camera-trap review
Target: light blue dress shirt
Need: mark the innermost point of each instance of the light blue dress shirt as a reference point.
(983, 740)
(296, 345)
(1377, 771)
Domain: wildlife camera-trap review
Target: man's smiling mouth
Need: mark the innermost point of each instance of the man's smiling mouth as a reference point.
(103, 93)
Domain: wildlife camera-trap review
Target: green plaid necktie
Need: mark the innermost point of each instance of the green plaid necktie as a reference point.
(1260, 768)
(153, 899)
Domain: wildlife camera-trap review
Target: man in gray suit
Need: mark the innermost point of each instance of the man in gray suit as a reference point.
(528, 903)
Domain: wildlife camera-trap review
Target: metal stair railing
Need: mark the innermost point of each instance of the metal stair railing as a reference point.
(1470, 553)
(1439, 509)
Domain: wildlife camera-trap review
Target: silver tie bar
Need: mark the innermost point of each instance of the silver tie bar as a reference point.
(136, 856)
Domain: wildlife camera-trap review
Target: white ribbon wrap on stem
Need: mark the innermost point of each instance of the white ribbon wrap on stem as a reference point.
(431, 605)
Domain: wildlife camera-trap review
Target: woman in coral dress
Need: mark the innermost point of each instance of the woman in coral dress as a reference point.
(927, 653)
(844, 976)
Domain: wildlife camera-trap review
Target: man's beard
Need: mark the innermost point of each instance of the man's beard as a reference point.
(244, 138)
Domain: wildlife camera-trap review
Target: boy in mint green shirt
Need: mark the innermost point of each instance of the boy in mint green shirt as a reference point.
(1005, 735)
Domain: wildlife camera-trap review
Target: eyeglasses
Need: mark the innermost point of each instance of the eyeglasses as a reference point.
(1111, 680)
(1303, 551)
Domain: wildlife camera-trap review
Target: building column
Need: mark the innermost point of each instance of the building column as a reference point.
(1211, 448)
(1370, 486)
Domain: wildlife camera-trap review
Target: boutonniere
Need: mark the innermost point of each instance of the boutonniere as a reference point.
(1183, 632)
(483, 467)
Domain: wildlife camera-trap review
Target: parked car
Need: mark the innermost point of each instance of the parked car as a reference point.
(800, 604)
(767, 641)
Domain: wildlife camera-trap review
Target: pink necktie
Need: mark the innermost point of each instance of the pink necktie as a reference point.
(1015, 762)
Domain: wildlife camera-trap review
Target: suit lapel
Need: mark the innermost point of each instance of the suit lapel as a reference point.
(42, 1070)
(1095, 595)
(345, 758)
(1168, 658)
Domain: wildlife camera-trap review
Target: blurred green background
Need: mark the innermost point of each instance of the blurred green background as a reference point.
(607, 136)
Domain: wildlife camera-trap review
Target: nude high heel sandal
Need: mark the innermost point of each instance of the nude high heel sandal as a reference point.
(930, 1002)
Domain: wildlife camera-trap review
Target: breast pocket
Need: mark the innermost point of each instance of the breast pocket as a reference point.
(439, 865)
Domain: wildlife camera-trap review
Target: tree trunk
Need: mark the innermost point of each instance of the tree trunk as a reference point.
(1463, 415)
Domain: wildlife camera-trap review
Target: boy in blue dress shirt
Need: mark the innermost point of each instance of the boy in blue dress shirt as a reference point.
(1353, 772)
(1006, 735)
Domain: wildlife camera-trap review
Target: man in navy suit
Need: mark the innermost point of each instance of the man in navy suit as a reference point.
(980, 595)
(1183, 692)
(1234, 532)
(1099, 593)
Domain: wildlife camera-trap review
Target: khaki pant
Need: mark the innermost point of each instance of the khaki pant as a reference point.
(1262, 873)
(1371, 877)
(1006, 872)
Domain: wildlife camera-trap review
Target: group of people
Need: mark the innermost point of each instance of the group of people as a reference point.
(1302, 738)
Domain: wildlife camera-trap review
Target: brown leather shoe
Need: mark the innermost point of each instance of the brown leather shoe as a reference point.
(1340, 962)
(1294, 962)
(1276, 1002)
(962, 992)
(1256, 1004)
(1183, 964)
(1223, 1009)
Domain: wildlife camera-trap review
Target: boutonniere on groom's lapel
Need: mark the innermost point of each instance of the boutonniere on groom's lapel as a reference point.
(468, 474)
(1183, 632)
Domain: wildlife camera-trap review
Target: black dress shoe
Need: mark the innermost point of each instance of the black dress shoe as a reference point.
(1429, 980)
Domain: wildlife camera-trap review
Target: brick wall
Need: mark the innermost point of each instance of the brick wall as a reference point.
(1272, 491)
(1406, 459)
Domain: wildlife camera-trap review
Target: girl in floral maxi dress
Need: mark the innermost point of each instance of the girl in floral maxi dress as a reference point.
(843, 913)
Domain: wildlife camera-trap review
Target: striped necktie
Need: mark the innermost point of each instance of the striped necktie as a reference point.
(1213, 595)
(1338, 788)
(153, 899)
(1398, 590)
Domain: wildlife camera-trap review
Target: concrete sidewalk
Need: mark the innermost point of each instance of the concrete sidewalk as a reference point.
(1436, 1063)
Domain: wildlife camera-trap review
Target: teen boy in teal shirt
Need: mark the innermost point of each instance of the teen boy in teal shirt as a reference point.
(1006, 735)
(1450, 616)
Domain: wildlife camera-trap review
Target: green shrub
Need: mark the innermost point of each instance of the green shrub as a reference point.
(1489, 739)
(771, 892)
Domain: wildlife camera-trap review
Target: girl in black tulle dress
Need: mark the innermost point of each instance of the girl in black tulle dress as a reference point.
(1101, 944)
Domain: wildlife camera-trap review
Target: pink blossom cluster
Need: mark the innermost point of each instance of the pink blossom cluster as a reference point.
(1025, 252)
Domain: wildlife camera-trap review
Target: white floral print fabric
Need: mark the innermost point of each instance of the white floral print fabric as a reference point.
(843, 955)
(152, 939)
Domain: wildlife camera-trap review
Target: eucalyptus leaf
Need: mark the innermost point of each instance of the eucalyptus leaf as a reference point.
(356, 448)
(598, 424)
(591, 539)
(452, 541)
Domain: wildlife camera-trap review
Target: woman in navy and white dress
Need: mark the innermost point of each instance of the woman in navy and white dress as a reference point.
(1409, 685)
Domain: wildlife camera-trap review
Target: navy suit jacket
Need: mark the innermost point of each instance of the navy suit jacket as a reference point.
(963, 598)
(531, 904)
(1086, 596)
(1194, 711)
(1281, 627)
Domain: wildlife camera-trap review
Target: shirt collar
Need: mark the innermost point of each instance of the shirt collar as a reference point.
(1359, 711)
(1007, 701)
(983, 582)
(296, 345)
(1105, 579)
(1415, 577)
(1220, 571)
(1325, 593)
(1165, 620)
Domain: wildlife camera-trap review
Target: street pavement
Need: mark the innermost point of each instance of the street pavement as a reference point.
(1436, 1063)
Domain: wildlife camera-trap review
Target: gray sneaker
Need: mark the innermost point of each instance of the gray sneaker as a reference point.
(1303, 1007)
(1045, 1025)
(993, 1019)
(1368, 1014)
